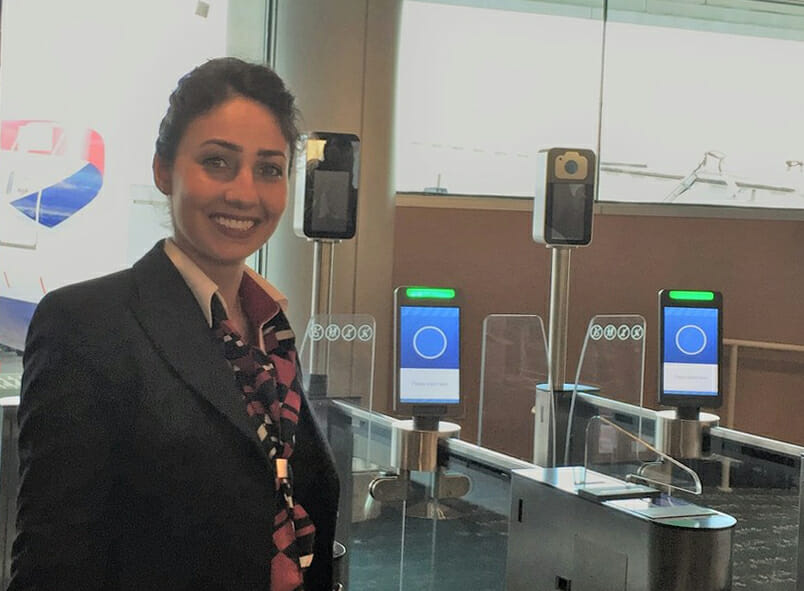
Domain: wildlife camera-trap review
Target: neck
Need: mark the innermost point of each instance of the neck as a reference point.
(226, 275)
(228, 279)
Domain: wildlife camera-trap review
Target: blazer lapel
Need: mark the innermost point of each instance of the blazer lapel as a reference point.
(170, 315)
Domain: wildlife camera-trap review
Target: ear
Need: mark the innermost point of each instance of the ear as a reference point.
(163, 173)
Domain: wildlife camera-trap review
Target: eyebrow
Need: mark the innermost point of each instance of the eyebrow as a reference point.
(235, 148)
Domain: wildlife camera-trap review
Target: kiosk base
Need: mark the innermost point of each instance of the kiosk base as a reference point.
(683, 438)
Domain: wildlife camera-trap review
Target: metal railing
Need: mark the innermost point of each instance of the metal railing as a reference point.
(734, 354)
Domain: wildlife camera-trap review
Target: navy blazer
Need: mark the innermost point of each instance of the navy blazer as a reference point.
(139, 468)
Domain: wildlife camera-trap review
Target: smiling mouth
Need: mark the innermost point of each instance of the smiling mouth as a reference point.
(233, 223)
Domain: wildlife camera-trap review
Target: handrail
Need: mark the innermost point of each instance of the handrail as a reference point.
(764, 345)
(735, 344)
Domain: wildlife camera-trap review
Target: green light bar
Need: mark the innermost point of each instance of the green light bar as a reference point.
(438, 293)
(700, 296)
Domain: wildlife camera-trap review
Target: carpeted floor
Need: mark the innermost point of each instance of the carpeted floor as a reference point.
(470, 551)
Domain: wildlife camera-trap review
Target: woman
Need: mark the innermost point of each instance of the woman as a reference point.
(165, 442)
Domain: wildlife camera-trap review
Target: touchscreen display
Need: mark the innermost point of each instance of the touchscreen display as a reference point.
(331, 207)
(429, 355)
(568, 212)
(690, 364)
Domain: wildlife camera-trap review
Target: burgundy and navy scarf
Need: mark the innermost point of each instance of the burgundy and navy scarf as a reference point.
(272, 393)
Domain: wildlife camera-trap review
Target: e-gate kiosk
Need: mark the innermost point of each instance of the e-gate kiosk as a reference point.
(427, 387)
(573, 528)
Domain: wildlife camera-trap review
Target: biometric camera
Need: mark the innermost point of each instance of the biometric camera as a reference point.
(565, 190)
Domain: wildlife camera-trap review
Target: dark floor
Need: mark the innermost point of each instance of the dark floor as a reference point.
(766, 536)
(470, 551)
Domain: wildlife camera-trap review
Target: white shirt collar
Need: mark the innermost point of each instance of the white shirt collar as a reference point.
(204, 288)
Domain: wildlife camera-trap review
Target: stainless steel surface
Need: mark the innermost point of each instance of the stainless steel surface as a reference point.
(392, 489)
(758, 441)
(774, 445)
(331, 281)
(316, 290)
(492, 458)
(616, 405)
(314, 303)
(559, 312)
(415, 450)
(483, 456)
(558, 538)
(680, 438)
(544, 411)
(451, 486)
(543, 417)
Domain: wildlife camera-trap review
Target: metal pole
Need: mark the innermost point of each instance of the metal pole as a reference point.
(330, 285)
(314, 307)
(331, 276)
(731, 401)
(800, 552)
(559, 313)
(545, 439)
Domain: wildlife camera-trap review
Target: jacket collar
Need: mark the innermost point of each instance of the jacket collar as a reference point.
(204, 288)
(168, 312)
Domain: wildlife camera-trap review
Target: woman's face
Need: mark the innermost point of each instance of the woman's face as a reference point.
(228, 183)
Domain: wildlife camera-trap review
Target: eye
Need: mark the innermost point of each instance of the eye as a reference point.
(214, 162)
(270, 170)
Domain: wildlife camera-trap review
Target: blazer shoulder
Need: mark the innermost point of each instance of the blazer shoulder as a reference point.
(101, 295)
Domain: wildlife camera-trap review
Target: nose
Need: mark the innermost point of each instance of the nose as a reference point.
(242, 190)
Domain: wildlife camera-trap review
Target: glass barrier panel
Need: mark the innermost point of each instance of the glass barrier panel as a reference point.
(378, 523)
(337, 359)
(613, 451)
(754, 479)
(611, 365)
(470, 544)
(513, 363)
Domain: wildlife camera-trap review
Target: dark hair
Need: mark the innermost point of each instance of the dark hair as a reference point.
(212, 83)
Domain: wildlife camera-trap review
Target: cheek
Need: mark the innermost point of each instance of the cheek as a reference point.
(275, 202)
(183, 211)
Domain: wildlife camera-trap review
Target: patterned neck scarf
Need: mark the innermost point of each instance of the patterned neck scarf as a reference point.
(272, 395)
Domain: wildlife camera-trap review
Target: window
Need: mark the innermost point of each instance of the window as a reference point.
(698, 107)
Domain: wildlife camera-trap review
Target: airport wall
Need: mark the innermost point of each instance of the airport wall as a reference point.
(757, 264)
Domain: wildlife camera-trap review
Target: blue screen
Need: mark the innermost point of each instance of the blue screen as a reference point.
(691, 345)
(429, 354)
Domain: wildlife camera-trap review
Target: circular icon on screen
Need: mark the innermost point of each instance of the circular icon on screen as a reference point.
(690, 339)
(429, 342)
